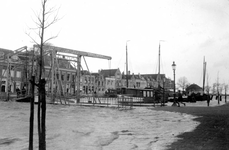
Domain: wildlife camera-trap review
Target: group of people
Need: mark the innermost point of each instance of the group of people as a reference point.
(21, 92)
(192, 98)
(179, 100)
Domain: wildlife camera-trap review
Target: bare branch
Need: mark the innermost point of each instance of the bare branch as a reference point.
(51, 10)
(51, 23)
(54, 20)
(38, 22)
(32, 38)
(53, 37)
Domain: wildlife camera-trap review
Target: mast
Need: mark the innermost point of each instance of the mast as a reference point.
(159, 59)
(127, 64)
(204, 74)
(218, 82)
(159, 63)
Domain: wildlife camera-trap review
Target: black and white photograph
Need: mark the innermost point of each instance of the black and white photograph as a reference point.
(114, 75)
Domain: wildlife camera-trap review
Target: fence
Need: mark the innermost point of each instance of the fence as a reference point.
(120, 102)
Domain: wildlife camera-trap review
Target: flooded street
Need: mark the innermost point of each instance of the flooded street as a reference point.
(93, 128)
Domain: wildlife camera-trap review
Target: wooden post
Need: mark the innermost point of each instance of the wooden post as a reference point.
(118, 101)
(8, 76)
(31, 114)
(78, 78)
(52, 75)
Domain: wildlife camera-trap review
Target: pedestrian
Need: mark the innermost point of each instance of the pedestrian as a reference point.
(18, 92)
(94, 96)
(23, 91)
(208, 99)
(180, 98)
(193, 97)
(175, 103)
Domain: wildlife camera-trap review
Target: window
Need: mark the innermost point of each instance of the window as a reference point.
(92, 88)
(148, 94)
(151, 94)
(68, 77)
(73, 78)
(12, 73)
(18, 74)
(62, 77)
(138, 84)
(84, 88)
(4, 72)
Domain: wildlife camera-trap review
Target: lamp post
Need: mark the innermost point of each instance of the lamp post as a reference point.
(174, 86)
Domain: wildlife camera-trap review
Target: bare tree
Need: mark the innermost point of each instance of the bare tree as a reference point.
(220, 86)
(214, 88)
(44, 19)
(208, 89)
(182, 83)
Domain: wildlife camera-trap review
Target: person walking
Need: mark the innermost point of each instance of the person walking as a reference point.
(180, 98)
(208, 99)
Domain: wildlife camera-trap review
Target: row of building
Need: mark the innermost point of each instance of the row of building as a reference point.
(15, 69)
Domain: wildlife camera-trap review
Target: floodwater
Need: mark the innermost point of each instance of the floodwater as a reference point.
(93, 128)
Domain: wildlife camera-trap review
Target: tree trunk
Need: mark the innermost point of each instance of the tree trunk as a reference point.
(31, 114)
(43, 113)
(39, 120)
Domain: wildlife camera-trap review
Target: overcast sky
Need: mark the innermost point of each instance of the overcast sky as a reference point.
(190, 30)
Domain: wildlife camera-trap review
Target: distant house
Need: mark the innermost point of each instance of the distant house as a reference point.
(139, 81)
(65, 75)
(107, 79)
(153, 80)
(15, 72)
(125, 79)
(99, 83)
(194, 88)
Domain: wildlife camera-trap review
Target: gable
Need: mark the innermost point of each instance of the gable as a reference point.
(4, 53)
(109, 72)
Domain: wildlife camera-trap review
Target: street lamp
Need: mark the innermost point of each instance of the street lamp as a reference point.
(174, 88)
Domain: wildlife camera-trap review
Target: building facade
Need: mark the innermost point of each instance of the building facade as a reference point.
(15, 72)
(12, 72)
